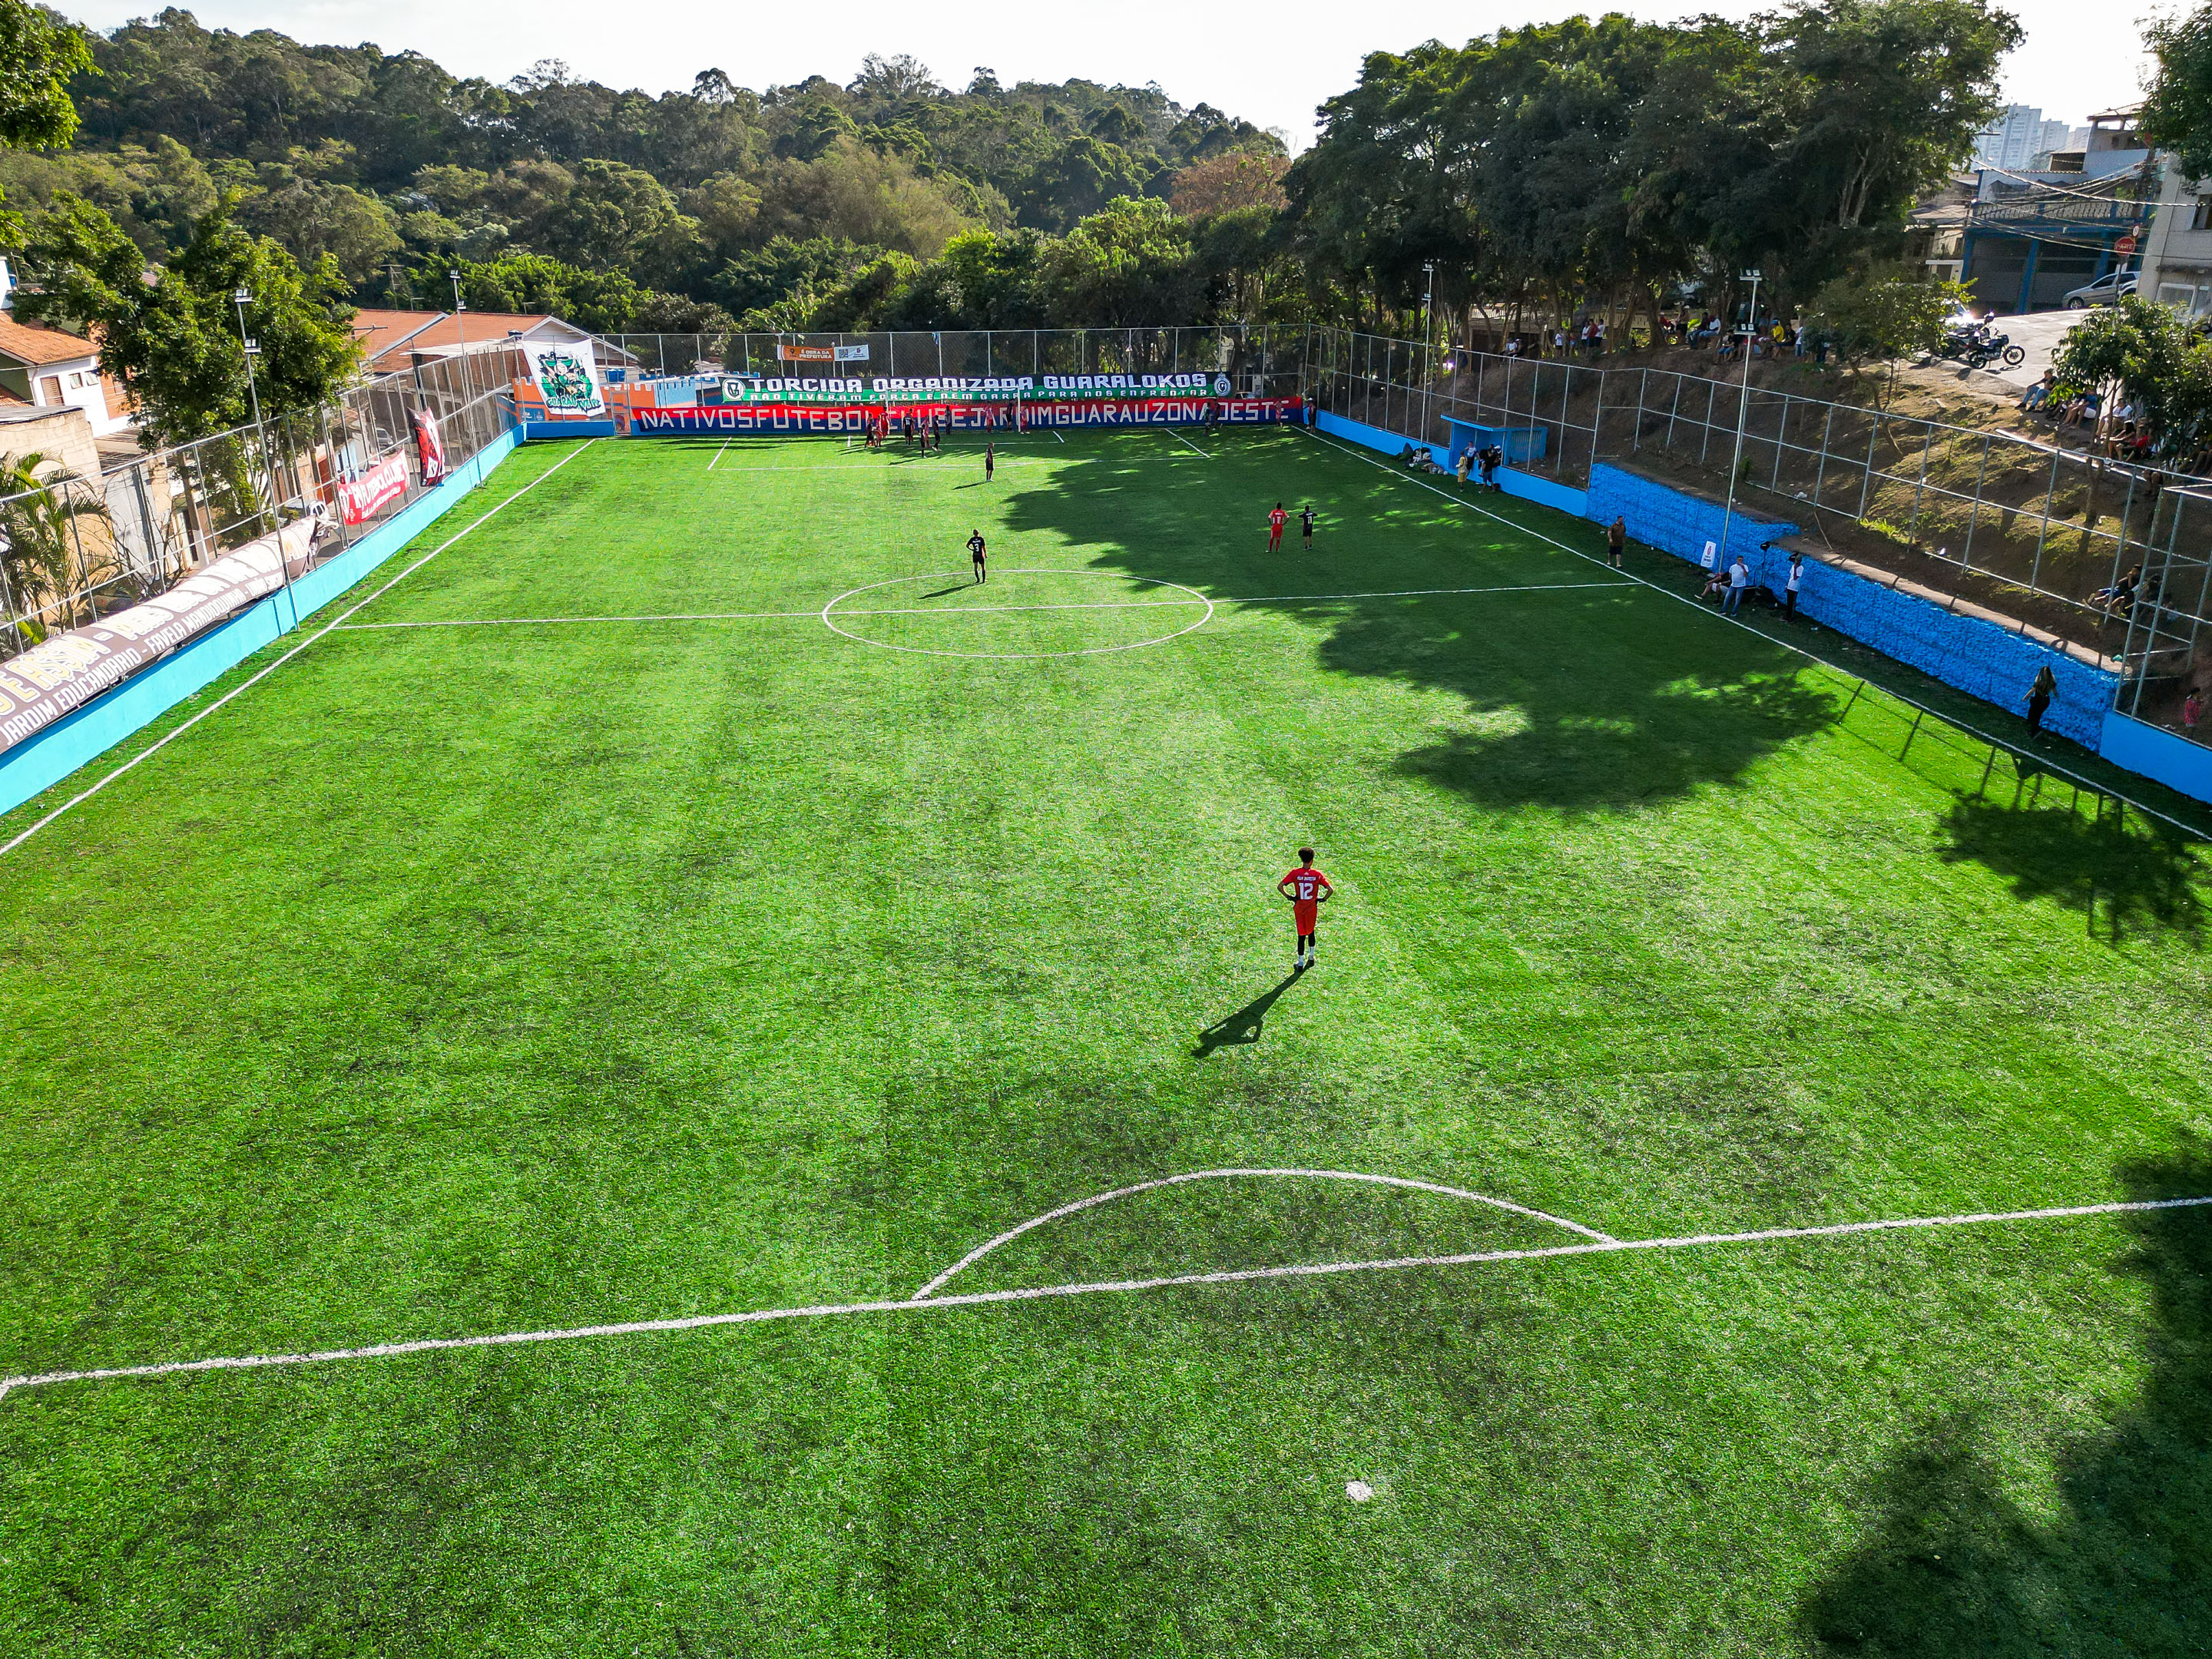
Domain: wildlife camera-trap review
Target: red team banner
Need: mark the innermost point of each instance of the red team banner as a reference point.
(359, 497)
(853, 419)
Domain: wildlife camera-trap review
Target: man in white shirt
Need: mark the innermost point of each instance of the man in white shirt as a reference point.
(1796, 578)
(1739, 579)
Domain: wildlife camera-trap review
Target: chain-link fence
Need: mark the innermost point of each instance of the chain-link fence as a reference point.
(2032, 534)
(1264, 362)
(77, 545)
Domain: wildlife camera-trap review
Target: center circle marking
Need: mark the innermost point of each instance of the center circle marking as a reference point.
(829, 621)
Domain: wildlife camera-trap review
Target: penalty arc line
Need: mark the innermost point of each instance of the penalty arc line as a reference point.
(163, 742)
(1097, 1199)
(1787, 644)
(1093, 1287)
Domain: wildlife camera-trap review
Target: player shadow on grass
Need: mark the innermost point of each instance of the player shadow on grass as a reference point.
(2130, 873)
(1956, 1563)
(1243, 1027)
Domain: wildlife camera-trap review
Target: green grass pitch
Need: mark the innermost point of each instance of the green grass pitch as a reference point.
(458, 980)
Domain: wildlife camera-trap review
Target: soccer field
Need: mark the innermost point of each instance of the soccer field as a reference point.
(687, 896)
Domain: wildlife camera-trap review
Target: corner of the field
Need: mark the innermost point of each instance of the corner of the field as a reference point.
(44, 759)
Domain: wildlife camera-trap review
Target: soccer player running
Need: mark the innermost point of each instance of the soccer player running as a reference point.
(1276, 520)
(1308, 889)
(975, 555)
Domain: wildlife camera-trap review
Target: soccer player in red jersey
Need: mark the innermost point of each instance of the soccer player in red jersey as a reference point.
(1307, 889)
(1276, 520)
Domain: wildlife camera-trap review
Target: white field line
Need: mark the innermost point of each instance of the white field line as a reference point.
(983, 1298)
(549, 622)
(264, 673)
(1191, 447)
(719, 453)
(1786, 644)
(968, 610)
(1093, 1202)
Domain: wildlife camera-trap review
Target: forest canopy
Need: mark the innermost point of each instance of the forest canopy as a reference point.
(1545, 169)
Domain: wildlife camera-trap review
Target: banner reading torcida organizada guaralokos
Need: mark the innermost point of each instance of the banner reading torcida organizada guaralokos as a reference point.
(707, 390)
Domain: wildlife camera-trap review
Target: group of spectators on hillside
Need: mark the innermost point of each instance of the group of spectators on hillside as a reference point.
(2125, 432)
(1773, 338)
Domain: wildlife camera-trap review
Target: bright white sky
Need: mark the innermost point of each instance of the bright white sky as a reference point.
(1271, 64)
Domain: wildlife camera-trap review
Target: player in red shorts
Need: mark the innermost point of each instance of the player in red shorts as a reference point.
(1276, 520)
(1308, 889)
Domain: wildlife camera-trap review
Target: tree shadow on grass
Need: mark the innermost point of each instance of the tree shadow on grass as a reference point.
(1955, 1566)
(1597, 699)
(2122, 871)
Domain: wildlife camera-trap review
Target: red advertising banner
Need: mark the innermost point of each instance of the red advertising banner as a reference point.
(430, 446)
(359, 498)
(784, 419)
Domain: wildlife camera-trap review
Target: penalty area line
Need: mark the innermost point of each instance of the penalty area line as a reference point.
(338, 622)
(1090, 1287)
(964, 609)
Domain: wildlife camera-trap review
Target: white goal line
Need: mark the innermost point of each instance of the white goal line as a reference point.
(963, 610)
(1090, 1287)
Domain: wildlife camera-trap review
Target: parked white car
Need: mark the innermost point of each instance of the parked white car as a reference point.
(2102, 292)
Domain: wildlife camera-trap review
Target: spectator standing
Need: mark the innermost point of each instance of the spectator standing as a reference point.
(1796, 578)
(1739, 581)
(1616, 538)
(2192, 710)
(2038, 697)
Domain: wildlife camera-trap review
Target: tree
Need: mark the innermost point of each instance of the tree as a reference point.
(1130, 262)
(42, 518)
(1887, 312)
(603, 302)
(2177, 112)
(38, 53)
(174, 338)
(1243, 178)
(617, 217)
(2151, 354)
(853, 193)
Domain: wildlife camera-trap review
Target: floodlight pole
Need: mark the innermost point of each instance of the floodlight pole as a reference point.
(1742, 412)
(241, 297)
(1428, 350)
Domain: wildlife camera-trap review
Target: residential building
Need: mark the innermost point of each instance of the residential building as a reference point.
(2032, 236)
(2012, 140)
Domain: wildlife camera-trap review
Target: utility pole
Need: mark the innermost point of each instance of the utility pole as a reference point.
(1743, 411)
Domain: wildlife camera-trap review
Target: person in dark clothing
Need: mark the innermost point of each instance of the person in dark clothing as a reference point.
(1616, 539)
(2038, 697)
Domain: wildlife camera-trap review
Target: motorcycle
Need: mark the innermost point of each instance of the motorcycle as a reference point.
(1978, 344)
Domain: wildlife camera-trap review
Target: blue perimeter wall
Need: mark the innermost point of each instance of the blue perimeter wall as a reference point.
(1525, 486)
(2174, 760)
(46, 758)
(1978, 656)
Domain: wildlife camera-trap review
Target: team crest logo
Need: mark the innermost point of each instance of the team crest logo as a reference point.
(1221, 385)
(566, 381)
